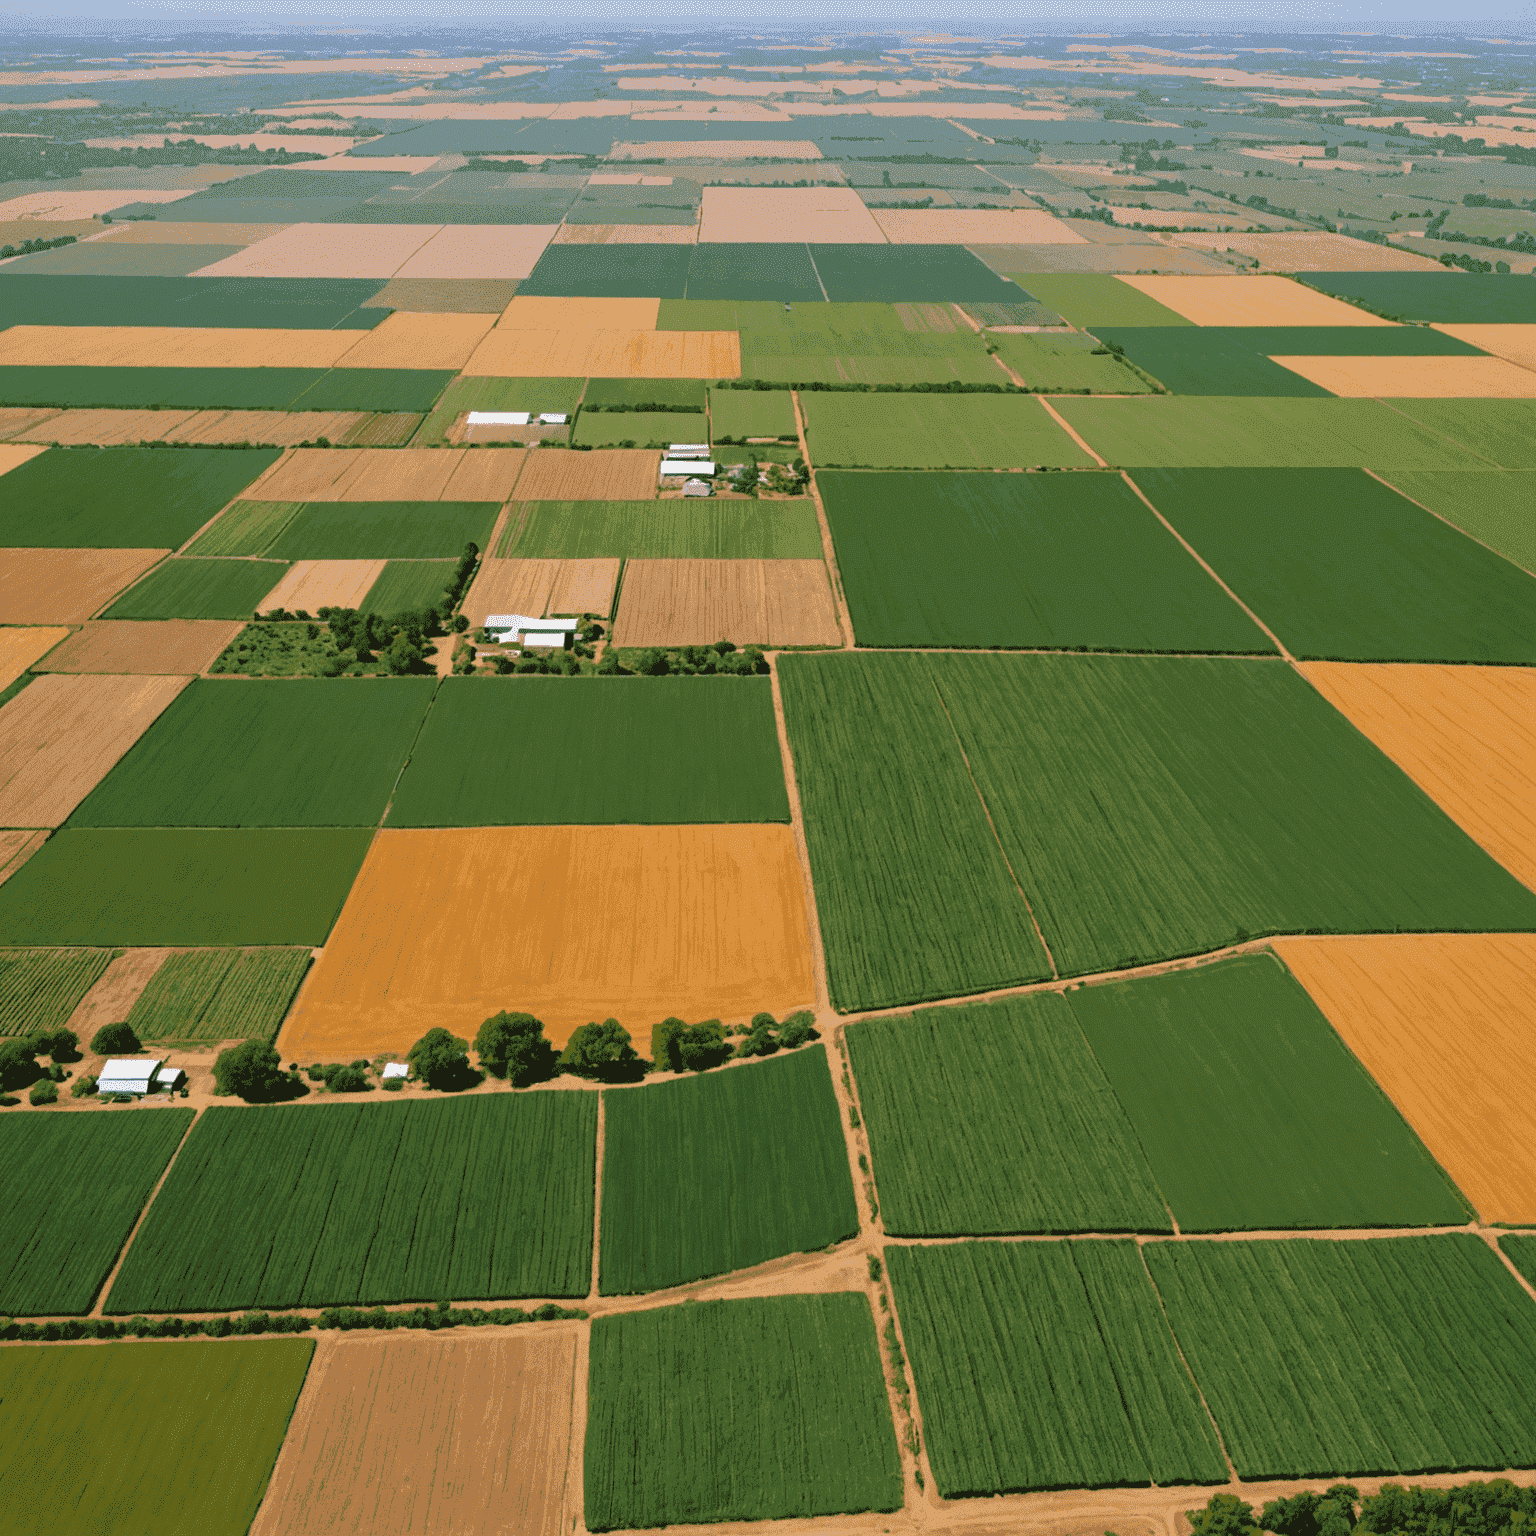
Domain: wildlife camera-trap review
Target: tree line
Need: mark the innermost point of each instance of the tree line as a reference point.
(1494, 1508)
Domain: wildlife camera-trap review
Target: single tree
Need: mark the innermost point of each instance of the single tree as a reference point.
(44, 1092)
(112, 1039)
(252, 1070)
(18, 1064)
(665, 1055)
(600, 1050)
(513, 1045)
(441, 1060)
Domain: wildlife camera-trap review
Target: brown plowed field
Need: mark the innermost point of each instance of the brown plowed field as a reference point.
(1416, 378)
(612, 354)
(1257, 300)
(107, 427)
(430, 1435)
(389, 474)
(445, 296)
(284, 428)
(316, 584)
(535, 312)
(60, 736)
(1443, 1023)
(537, 587)
(487, 474)
(145, 646)
(696, 602)
(117, 989)
(627, 234)
(604, 474)
(419, 341)
(827, 215)
(19, 648)
(22, 420)
(174, 346)
(66, 586)
(573, 924)
(16, 847)
(14, 455)
(1465, 735)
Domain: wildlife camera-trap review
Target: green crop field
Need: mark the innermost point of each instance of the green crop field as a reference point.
(1389, 1355)
(245, 528)
(374, 389)
(200, 589)
(1521, 1251)
(610, 271)
(273, 303)
(409, 585)
(1071, 363)
(1207, 360)
(1049, 561)
(1047, 1365)
(140, 1438)
(610, 429)
(121, 498)
(751, 413)
(681, 395)
(908, 274)
(1486, 299)
(1296, 555)
(249, 389)
(666, 530)
(305, 752)
(1497, 507)
(1293, 1130)
(39, 988)
(914, 896)
(385, 530)
(475, 1199)
(556, 396)
(643, 749)
(220, 994)
(1008, 1101)
(962, 360)
(721, 1172)
(100, 1169)
(180, 886)
(911, 431)
(1092, 299)
(1499, 432)
(792, 1384)
(1218, 431)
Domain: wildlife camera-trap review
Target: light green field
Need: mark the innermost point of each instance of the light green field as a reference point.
(1068, 362)
(671, 530)
(1088, 299)
(1496, 506)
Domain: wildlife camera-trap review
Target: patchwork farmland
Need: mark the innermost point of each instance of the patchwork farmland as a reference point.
(784, 779)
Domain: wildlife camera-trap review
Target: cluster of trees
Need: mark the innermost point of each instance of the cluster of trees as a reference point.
(721, 658)
(338, 1078)
(27, 247)
(20, 1068)
(680, 1047)
(32, 159)
(1495, 1508)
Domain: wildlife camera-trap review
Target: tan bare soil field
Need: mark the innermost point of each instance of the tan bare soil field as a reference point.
(826, 215)
(1417, 378)
(1312, 251)
(66, 586)
(616, 354)
(385, 429)
(316, 584)
(962, 226)
(1465, 735)
(604, 474)
(60, 736)
(718, 149)
(445, 296)
(419, 341)
(1256, 300)
(626, 234)
(424, 1434)
(85, 205)
(16, 847)
(117, 989)
(21, 420)
(158, 232)
(327, 250)
(573, 924)
(387, 474)
(19, 648)
(1515, 343)
(145, 646)
(306, 474)
(14, 455)
(486, 474)
(504, 251)
(173, 346)
(283, 428)
(696, 602)
(537, 313)
(537, 587)
(107, 427)
(398, 474)
(1443, 1023)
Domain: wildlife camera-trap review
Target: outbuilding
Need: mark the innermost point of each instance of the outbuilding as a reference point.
(123, 1075)
(671, 467)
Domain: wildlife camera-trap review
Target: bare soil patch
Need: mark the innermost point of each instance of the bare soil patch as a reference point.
(22, 420)
(327, 250)
(282, 428)
(537, 587)
(171, 346)
(315, 584)
(146, 646)
(626, 234)
(604, 474)
(535, 312)
(1255, 300)
(606, 354)
(1312, 251)
(117, 989)
(501, 252)
(66, 586)
(696, 602)
(419, 341)
(20, 648)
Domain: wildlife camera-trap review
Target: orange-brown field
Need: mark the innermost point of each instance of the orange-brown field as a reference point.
(19, 648)
(171, 346)
(430, 1434)
(1258, 300)
(108, 427)
(1516, 343)
(1416, 378)
(144, 646)
(605, 474)
(828, 215)
(485, 251)
(610, 354)
(66, 586)
(974, 226)
(1312, 251)
(316, 250)
(419, 341)
(316, 584)
(537, 587)
(1465, 735)
(61, 735)
(391, 474)
(14, 455)
(696, 602)
(1443, 1023)
(572, 924)
(22, 421)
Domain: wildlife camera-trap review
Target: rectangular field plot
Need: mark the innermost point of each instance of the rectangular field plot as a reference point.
(55, 1264)
(898, 431)
(311, 585)
(219, 994)
(1296, 555)
(176, 886)
(152, 646)
(613, 429)
(1293, 1131)
(744, 413)
(1047, 1365)
(1048, 561)
(66, 586)
(1249, 300)
(609, 474)
(1092, 299)
(905, 274)
(1209, 360)
(1459, 298)
(129, 1432)
(1441, 1021)
(696, 602)
(1497, 507)
(479, 1199)
(137, 498)
(200, 589)
(1067, 364)
(1429, 1345)
(378, 1405)
(385, 530)
(720, 1172)
(1008, 1100)
(538, 587)
(1432, 378)
(1499, 432)
(610, 271)
(675, 530)
(39, 988)
(683, 396)
(409, 586)
(693, 749)
(571, 924)
(300, 753)
(795, 1380)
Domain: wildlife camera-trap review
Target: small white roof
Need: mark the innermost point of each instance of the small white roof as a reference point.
(139, 1071)
(544, 637)
(553, 418)
(688, 450)
(499, 418)
(687, 467)
(395, 1069)
(516, 621)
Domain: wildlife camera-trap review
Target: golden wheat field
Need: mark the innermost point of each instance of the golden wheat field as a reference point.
(66, 586)
(537, 587)
(1255, 300)
(606, 354)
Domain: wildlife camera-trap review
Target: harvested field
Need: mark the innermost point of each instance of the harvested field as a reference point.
(1516, 343)
(445, 296)
(14, 454)
(537, 587)
(61, 736)
(282, 428)
(66, 586)
(420, 341)
(534, 312)
(1311, 251)
(171, 346)
(618, 354)
(1416, 378)
(385, 429)
(16, 847)
(112, 998)
(83, 205)
(571, 923)
(1442, 1023)
(147, 646)
(156, 232)
(316, 584)
(110, 427)
(19, 420)
(390, 474)
(974, 226)
(306, 474)
(469, 1435)
(1465, 735)
(696, 602)
(398, 474)
(834, 215)
(1258, 300)
(605, 474)
(20, 648)
(626, 234)
(487, 252)
(486, 474)
(321, 250)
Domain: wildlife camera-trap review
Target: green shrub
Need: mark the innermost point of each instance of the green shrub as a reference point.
(45, 1091)
(115, 1040)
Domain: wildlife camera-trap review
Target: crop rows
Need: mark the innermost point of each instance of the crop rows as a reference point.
(40, 988)
(219, 994)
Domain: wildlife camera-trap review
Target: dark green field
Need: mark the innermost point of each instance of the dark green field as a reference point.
(282, 303)
(262, 389)
(1205, 360)
(667, 530)
(1496, 506)
(200, 589)
(632, 749)
(1484, 299)
(409, 585)
(374, 389)
(385, 530)
(681, 395)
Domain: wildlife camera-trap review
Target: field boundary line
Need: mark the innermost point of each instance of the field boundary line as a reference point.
(1206, 566)
(1236, 1235)
(597, 1192)
(848, 1100)
(987, 812)
(1491, 1235)
(573, 1512)
(1071, 431)
(810, 256)
(1443, 436)
(1398, 490)
(378, 826)
(122, 1253)
(823, 523)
